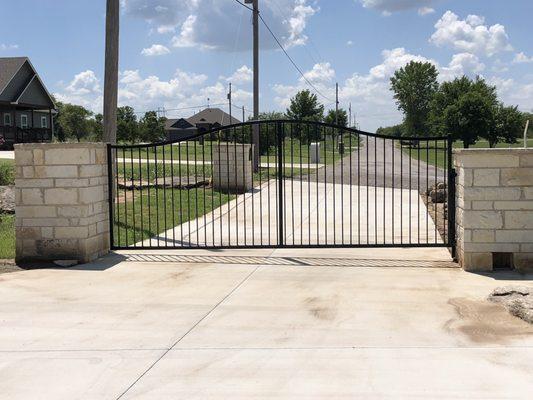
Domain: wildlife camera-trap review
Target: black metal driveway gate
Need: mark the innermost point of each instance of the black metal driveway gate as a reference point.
(315, 185)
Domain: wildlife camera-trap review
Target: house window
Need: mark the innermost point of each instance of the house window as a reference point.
(44, 122)
(7, 119)
(23, 121)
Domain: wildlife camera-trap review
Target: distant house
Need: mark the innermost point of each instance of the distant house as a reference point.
(204, 121)
(26, 107)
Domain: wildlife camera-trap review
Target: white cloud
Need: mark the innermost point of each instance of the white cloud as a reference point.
(155, 50)
(470, 35)
(298, 21)
(321, 73)
(243, 75)
(219, 24)
(521, 58)
(349, 43)
(513, 92)
(425, 11)
(84, 89)
(6, 47)
(462, 64)
(143, 93)
(387, 7)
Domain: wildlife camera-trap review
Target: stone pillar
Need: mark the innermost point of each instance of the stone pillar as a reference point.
(61, 201)
(494, 208)
(232, 167)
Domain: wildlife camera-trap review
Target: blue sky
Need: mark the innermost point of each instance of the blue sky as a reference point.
(177, 53)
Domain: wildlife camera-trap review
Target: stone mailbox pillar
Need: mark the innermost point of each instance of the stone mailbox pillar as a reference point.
(232, 167)
(61, 201)
(494, 218)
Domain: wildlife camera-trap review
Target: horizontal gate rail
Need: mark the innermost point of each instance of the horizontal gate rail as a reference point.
(316, 185)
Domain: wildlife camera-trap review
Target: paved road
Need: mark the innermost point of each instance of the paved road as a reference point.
(380, 163)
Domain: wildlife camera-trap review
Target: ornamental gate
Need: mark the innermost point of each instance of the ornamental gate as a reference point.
(306, 184)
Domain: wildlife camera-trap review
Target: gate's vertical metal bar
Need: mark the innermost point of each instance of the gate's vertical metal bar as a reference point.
(133, 197)
(451, 199)
(110, 194)
(279, 133)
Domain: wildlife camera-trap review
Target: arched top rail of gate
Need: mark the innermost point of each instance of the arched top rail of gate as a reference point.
(279, 121)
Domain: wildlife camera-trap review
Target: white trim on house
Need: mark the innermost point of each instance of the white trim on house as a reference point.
(23, 121)
(44, 121)
(7, 119)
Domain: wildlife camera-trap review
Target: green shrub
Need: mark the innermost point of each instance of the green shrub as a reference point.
(7, 173)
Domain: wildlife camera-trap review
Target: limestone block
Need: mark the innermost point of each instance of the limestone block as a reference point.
(46, 222)
(27, 172)
(91, 171)
(514, 236)
(72, 232)
(523, 262)
(482, 205)
(491, 247)
(70, 156)
(477, 262)
(518, 220)
(63, 171)
(38, 156)
(526, 160)
(91, 195)
(72, 182)
(61, 196)
(492, 193)
(487, 177)
(75, 211)
(483, 236)
(31, 196)
(483, 220)
(517, 177)
(513, 205)
(36, 212)
(23, 157)
(528, 193)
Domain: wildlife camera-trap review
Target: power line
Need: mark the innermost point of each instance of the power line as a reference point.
(291, 60)
(286, 53)
(244, 5)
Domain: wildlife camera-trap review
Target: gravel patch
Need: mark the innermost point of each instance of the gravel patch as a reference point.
(517, 299)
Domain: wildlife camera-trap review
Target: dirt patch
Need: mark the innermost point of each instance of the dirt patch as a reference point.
(7, 266)
(485, 322)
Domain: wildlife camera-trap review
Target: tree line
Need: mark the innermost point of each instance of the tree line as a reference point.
(467, 109)
(76, 123)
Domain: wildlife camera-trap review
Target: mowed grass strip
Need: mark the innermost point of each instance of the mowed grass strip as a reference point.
(7, 236)
(435, 153)
(148, 213)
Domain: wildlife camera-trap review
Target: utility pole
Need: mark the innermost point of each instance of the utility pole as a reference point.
(111, 71)
(229, 99)
(243, 114)
(255, 130)
(350, 121)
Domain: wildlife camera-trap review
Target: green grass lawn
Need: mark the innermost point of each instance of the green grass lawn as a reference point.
(7, 172)
(294, 150)
(7, 236)
(156, 211)
(434, 153)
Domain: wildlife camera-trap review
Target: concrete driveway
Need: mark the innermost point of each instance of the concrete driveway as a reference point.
(262, 324)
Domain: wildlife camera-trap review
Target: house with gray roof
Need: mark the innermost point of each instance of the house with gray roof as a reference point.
(26, 107)
(204, 121)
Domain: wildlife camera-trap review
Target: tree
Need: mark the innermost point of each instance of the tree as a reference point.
(96, 127)
(393, 131)
(414, 86)
(127, 126)
(508, 126)
(449, 93)
(470, 117)
(305, 107)
(331, 118)
(152, 128)
(74, 121)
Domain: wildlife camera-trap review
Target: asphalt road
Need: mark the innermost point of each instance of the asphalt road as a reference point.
(380, 163)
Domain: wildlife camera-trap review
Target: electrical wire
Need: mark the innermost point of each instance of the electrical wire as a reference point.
(286, 53)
